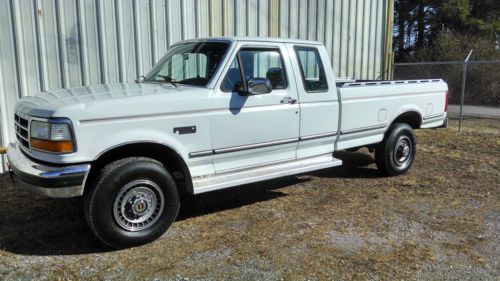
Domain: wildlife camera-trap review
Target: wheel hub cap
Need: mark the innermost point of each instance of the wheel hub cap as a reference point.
(406, 151)
(138, 205)
(402, 151)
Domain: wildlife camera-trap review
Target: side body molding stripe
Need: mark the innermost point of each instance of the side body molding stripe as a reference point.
(318, 136)
(363, 129)
(201, 153)
(253, 146)
(285, 141)
(258, 145)
(433, 116)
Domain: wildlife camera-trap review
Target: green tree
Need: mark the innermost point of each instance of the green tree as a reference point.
(472, 16)
(425, 29)
(454, 46)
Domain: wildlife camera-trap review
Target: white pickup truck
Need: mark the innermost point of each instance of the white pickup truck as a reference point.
(213, 113)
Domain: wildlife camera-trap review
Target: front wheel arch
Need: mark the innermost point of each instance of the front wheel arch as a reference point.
(105, 189)
(167, 156)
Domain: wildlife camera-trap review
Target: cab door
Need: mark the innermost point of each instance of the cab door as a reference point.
(253, 130)
(319, 103)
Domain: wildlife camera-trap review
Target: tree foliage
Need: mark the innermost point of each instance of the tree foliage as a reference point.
(437, 30)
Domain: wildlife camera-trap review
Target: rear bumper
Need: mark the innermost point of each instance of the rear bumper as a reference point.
(46, 180)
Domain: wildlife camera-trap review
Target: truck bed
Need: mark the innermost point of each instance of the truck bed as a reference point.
(369, 107)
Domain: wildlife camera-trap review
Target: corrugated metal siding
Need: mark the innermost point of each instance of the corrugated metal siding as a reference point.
(50, 44)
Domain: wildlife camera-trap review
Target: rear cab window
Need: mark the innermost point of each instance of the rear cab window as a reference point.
(311, 69)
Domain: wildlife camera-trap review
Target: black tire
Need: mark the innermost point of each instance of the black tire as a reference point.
(143, 184)
(396, 153)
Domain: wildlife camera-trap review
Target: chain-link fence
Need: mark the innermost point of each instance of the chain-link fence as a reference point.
(482, 84)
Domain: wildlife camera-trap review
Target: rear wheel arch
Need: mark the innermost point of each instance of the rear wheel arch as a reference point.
(167, 156)
(412, 118)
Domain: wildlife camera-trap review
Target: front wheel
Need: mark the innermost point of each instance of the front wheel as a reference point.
(132, 201)
(395, 154)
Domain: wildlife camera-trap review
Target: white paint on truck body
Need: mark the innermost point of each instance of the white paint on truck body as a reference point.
(235, 132)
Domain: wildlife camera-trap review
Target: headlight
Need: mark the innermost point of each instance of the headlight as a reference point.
(51, 136)
(40, 130)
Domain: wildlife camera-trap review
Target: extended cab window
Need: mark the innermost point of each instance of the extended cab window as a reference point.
(257, 63)
(311, 69)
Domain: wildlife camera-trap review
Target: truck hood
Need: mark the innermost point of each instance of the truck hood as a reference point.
(113, 100)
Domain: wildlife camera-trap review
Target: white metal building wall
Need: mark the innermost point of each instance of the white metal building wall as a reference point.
(50, 44)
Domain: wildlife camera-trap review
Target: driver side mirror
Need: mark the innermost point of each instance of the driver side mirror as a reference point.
(258, 86)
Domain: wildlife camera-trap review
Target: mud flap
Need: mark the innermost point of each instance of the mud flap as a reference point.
(445, 124)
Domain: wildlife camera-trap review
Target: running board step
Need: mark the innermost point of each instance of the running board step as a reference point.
(240, 177)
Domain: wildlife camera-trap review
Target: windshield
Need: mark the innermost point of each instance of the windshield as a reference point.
(192, 63)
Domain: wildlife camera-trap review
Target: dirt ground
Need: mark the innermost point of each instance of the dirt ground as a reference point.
(439, 221)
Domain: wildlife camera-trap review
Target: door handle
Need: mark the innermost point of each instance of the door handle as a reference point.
(289, 100)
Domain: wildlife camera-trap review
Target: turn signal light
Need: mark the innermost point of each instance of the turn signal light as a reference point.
(52, 146)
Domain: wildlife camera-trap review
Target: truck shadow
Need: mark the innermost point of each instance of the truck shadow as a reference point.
(31, 225)
(358, 164)
(232, 198)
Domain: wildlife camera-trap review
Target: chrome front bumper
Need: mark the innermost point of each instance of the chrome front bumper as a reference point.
(53, 181)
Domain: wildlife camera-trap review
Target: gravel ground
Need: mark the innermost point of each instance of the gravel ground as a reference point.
(441, 221)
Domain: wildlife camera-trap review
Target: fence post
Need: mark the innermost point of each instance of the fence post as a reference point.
(464, 78)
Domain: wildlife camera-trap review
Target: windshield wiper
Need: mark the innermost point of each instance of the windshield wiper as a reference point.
(168, 79)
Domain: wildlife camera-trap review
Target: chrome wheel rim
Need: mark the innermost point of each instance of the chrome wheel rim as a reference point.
(402, 152)
(138, 205)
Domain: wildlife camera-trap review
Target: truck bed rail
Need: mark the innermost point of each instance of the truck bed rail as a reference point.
(395, 82)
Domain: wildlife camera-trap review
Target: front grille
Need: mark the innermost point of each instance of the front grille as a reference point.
(22, 131)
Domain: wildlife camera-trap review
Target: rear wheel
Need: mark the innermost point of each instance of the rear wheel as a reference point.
(132, 201)
(396, 153)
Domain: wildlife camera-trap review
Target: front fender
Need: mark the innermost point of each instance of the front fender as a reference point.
(121, 138)
(96, 139)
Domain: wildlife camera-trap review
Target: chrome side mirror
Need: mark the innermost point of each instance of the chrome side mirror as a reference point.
(258, 86)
